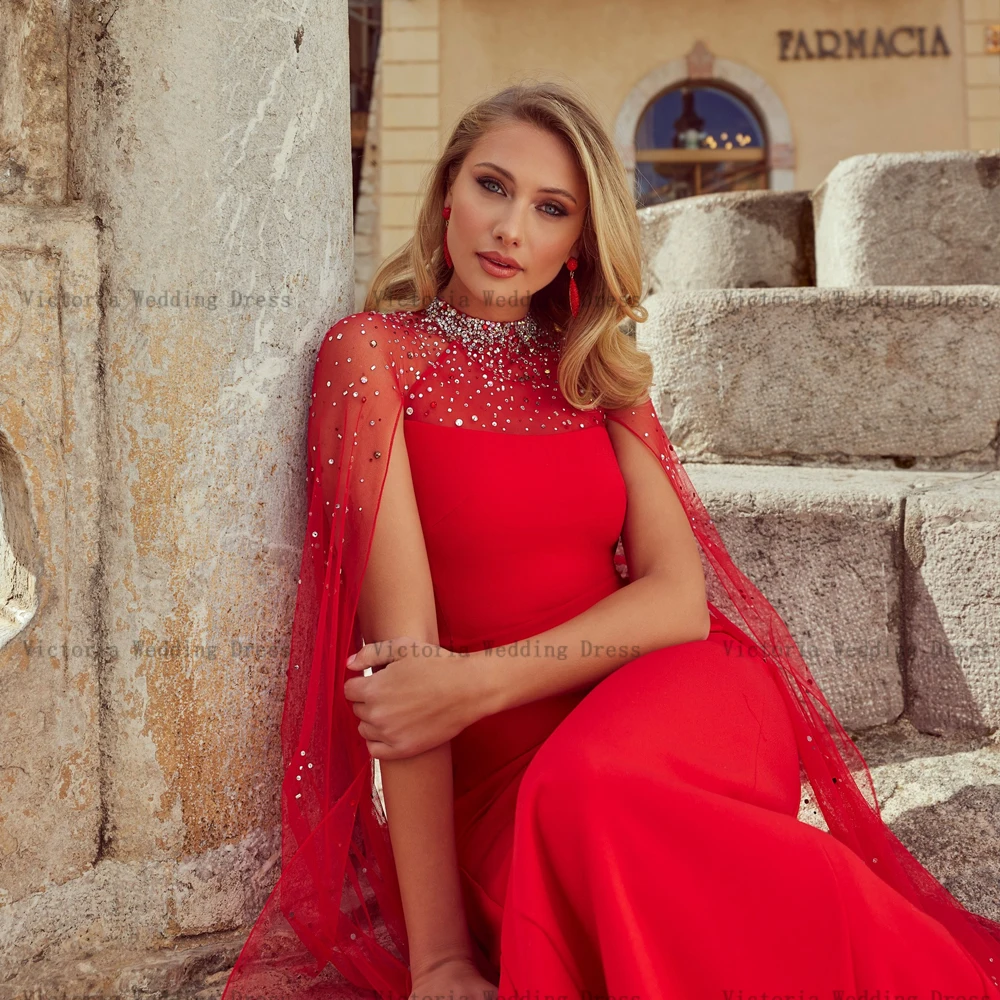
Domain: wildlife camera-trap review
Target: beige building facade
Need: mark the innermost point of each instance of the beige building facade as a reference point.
(823, 81)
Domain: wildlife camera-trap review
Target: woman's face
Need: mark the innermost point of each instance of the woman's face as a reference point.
(519, 194)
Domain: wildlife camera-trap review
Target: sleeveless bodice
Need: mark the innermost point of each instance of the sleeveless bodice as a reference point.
(521, 529)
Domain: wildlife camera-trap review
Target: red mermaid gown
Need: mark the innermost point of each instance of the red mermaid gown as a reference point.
(638, 837)
(635, 838)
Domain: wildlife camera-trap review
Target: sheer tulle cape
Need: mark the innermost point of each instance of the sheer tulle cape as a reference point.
(335, 912)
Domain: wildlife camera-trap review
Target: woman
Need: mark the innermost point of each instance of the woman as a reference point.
(591, 774)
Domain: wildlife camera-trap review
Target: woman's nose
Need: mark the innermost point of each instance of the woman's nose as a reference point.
(510, 226)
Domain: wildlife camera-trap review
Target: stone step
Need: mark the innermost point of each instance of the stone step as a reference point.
(909, 219)
(878, 219)
(733, 239)
(872, 378)
(941, 797)
(190, 969)
(888, 581)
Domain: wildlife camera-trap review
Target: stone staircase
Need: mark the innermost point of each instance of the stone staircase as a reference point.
(827, 365)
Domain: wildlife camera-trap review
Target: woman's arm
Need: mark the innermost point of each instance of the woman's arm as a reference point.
(397, 598)
(663, 605)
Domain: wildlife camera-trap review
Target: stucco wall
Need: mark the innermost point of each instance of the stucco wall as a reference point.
(440, 55)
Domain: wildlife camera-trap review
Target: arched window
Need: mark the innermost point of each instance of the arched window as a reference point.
(696, 138)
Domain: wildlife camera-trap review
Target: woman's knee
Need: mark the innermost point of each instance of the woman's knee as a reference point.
(564, 769)
(698, 715)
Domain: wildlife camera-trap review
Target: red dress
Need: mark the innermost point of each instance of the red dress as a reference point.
(684, 755)
(635, 837)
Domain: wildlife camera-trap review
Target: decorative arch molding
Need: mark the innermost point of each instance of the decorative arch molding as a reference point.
(700, 64)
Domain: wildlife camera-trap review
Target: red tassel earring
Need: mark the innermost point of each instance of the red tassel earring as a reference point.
(574, 294)
(446, 212)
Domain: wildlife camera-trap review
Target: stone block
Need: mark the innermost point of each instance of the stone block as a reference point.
(52, 646)
(952, 606)
(887, 581)
(879, 378)
(33, 111)
(909, 219)
(736, 239)
(823, 548)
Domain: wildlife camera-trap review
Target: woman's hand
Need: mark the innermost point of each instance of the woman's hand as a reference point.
(459, 979)
(422, 697)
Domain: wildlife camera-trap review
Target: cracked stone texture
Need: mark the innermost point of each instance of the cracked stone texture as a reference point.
(131, 907)
(207, 406)
(153, 456)
(735, 239)
(909, 219)
(880, 378)
(952, 602)
(33, 102)
(50, 633)
(825, 547)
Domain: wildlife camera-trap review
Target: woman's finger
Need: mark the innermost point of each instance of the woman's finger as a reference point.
(376, 748)
(369, 732)
(375, 654)
(354, 689)
(358, 660)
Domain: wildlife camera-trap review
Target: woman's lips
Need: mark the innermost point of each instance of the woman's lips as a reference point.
(497, 270)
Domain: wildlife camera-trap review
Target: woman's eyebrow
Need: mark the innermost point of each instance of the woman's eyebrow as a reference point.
(510, 177)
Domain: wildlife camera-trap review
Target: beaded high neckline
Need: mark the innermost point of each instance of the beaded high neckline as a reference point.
(484, 335)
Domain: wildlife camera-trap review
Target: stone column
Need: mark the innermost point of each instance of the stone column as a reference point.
(207, 156)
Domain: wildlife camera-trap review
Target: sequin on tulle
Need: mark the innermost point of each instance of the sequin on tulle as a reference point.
(502, 378)
(459, 371)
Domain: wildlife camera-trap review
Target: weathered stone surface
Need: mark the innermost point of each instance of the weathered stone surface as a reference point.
(224, 191)
(152, 474)
(879, 378)
(737, 239)
(952, 601)
(188, 970)
(50, 625)
(139, 905)
(825, 547)
(822, 545)
(33, 95)
(909, 219)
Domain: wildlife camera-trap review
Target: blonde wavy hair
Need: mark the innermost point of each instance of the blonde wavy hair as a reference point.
(599, 364)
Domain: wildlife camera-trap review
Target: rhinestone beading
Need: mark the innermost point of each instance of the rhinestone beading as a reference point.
(491, 373)
(482, 337)
(506, 381)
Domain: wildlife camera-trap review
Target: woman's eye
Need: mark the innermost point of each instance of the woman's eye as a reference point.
(487, 181)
